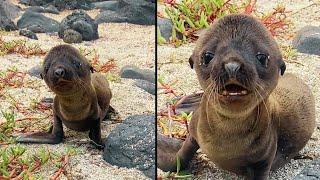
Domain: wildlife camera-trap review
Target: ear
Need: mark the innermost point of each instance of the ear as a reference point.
(91, 69)
(282, 67)
(191, 62)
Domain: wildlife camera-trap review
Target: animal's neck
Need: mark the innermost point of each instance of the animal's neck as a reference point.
(77, 101)
(248, 121)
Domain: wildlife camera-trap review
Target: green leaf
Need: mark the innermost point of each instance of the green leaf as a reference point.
(4, 172)
(166, 175)
(178, 164)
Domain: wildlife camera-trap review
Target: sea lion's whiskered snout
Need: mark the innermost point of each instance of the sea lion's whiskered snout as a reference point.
(63, 71)
(233, 77)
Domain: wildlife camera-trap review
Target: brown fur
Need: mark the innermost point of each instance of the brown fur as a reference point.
(250, 134)
(82, 100)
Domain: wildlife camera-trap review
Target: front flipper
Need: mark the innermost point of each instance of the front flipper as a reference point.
(110, 113)
(169, 148)
(95, 134)
(189, 103)
(54, 136)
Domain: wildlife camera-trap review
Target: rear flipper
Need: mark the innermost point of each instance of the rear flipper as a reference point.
(54, 136)
(189, 103)
(169, 148)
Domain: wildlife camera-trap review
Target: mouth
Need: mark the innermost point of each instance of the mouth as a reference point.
(62, 82)
(234, 89)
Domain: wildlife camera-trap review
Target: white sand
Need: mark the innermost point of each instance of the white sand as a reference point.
(127, 44)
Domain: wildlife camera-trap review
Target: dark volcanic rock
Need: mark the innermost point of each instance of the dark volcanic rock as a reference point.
(82, 23)
(9, 10)
(146, 85)
(72, 36)
(36, 28)
(308, 40)
(28, 34)
(131, 11)
(52, 9)
(60, 4)
(311, 172)
(35, 2)
(40, 9)
(72, 4)
(7, 13)
(30, 18)
(7, 24)
(165, 26)
(107, 5)
(35, 71)
(132, 144)
(133, 72)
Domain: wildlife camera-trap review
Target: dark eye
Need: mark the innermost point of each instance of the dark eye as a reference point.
(207, 57)
(76, 64)
(263, 59)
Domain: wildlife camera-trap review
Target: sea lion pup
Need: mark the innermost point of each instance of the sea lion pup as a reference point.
(249, 120)
(82, 100)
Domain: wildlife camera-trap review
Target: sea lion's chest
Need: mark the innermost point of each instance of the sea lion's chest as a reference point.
(223, 146)
(77, 116)
(81, 121)
(78, 113)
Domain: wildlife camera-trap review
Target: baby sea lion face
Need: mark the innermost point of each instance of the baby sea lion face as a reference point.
(238, 63)
(65, 70)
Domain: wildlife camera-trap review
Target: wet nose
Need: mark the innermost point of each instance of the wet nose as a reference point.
(232, 68)
(59, 72)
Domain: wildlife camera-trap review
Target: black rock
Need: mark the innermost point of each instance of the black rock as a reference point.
(60, 4)
(7, 24)
(36, 28)
(146, 85)
(165, 26)
(311, 172)
(132, 144)
(72, 36)
(52, 9)
(40, 9)
(307, 40)
(133, 72)
(35, 2)
(9, 10)
(131, 11)
(35, 71)
(47, 100)
(82, 23)
(7, 13)
(72, 4)
(28, 33)
(107, 5)
(30, 18)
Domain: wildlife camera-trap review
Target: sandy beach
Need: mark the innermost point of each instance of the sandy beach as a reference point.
(174, 67)
(126, 44)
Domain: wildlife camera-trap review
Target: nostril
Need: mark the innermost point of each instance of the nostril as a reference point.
(59, 72)
(232, 68)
